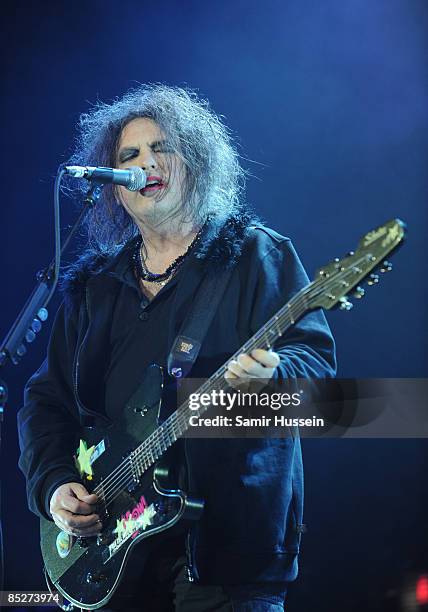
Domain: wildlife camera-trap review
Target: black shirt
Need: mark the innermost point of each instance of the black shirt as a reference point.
(139, 335)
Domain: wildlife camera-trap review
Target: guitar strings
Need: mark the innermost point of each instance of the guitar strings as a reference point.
(141, 455)
(167, 428)
(166, 434)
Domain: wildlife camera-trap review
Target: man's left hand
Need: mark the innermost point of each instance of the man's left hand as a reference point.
(258, 364)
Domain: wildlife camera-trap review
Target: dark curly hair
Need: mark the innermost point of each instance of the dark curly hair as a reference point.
(214, 182)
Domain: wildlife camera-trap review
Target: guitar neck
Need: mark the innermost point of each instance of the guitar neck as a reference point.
(331, 284)
(177, 423)
(326, 284)
(174, 427)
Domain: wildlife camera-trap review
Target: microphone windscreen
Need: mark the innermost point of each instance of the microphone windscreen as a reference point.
(138, 178)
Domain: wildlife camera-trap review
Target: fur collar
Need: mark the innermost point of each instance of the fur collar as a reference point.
(221, 246)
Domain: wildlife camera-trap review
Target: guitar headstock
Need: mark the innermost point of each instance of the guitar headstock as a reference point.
(334, 281)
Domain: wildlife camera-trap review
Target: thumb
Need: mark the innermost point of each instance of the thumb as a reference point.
(81, 493)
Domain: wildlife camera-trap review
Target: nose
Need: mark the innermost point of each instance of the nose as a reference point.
(146, 166)
(148, 162)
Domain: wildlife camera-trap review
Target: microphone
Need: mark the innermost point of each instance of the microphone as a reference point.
(133, 178)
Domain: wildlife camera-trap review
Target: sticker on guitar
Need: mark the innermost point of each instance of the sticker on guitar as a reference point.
(129, 525)
(85, 457)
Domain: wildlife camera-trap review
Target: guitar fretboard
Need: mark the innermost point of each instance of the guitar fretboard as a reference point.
(175, 426)
(330, 287)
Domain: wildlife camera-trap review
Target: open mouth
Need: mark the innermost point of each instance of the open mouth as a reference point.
(153, 184)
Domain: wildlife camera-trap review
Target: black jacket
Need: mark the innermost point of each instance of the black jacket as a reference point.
(253, 488)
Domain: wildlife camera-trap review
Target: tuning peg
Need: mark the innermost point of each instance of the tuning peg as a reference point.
(36, 326)
(21, 350)
(30, 336)
(351, 253)
(373, 279)
(359, 292)
(345, 304)
(386, 266)
(43, 314)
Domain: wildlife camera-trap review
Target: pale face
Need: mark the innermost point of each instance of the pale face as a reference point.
(143, 144)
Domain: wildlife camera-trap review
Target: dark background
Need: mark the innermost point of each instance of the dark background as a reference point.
(329, 102)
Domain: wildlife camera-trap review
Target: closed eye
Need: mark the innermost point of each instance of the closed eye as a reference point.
(162, 148)
(128, 154)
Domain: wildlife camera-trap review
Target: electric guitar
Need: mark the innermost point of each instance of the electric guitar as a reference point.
(126, 466)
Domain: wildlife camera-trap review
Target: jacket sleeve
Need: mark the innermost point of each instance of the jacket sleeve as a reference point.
(48, 423)
(307, 349)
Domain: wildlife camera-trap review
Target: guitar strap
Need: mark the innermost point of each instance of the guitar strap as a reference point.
(186, 346)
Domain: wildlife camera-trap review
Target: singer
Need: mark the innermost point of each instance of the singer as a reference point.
(148, 255)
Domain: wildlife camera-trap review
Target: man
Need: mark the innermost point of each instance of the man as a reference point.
(148, 253)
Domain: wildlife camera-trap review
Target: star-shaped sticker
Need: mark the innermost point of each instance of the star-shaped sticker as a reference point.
(83, 461)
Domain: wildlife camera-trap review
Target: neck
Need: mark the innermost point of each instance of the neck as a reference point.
(162, 245)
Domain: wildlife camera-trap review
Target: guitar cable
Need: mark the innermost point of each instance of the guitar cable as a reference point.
(1, 545)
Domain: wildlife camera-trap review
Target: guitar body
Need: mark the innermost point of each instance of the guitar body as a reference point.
(87, 571)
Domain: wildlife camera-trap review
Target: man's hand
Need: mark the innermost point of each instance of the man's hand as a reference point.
(73, 510)
(260, 364)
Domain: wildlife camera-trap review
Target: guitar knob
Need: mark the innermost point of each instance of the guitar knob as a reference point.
(141, 409)
(104, 538)
(91, 578)
(373, 279)
(386, 266)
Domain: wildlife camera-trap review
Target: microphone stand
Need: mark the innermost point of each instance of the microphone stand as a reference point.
(29, 322)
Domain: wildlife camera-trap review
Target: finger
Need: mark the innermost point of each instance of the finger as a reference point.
(236, 383)
(76, 521)
(79, 533)
(236, 369)
(82, 493)
(90, 498)
(233, 381)
(269, 359)
(250, 366)
(74, 505)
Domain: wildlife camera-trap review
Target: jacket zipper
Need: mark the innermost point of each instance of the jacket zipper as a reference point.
(189, 566)
(83, 410)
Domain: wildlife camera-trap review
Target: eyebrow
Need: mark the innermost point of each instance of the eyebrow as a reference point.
(123, 153)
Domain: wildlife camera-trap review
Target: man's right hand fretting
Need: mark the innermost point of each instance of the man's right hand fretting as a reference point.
(73, 510)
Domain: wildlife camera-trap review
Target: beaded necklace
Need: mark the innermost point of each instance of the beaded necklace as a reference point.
(144, 274)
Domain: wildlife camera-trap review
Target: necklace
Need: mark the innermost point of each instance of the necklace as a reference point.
(163, 277)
